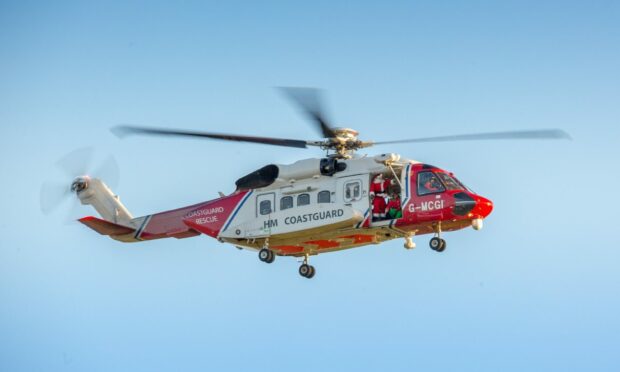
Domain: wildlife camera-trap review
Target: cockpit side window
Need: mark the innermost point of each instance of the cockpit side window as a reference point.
(429, 183)
(450, 182)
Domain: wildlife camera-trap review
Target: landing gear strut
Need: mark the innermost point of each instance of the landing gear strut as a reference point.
(437, 243)
(266, 254)
(306, 270)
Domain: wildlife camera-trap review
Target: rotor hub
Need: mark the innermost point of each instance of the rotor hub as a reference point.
(79, 184)
(345, 133)
(344, 142)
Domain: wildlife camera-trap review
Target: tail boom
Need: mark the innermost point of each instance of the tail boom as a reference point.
(210, 218)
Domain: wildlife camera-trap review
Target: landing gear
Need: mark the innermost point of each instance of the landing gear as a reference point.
(437, 243)
(306, 270)
(266, 255)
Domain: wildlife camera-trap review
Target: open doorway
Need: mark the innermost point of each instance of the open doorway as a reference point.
(385, 195)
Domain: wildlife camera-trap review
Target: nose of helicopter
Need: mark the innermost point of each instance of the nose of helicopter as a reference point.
(483, 207)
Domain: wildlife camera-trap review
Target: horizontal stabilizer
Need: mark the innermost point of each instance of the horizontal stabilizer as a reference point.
(104, 227)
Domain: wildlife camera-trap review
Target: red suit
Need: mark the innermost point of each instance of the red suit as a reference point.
(378, 207)
(378, 189)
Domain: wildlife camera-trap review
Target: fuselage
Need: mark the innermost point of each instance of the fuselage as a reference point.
(308, 207)
(298, 209)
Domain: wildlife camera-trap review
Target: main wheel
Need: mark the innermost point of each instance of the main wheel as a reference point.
(443, 245)
(312, 272)
(272, 256)
(435, 244)
(306, 270)
(266, 255)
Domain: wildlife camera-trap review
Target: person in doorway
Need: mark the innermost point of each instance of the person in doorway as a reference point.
(393, 209)
(378, 189)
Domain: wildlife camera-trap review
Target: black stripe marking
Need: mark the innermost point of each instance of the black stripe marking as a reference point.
(142, 227)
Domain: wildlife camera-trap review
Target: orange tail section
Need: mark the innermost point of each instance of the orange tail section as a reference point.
(104, 227)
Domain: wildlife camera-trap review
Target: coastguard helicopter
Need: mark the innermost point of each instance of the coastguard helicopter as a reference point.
(339, 201)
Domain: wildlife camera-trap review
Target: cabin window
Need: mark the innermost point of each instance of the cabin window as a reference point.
(303, 199)
(428, 183)
(450, 182)
(286, 203)
(352, 191)
(324, 197)
(265, 207)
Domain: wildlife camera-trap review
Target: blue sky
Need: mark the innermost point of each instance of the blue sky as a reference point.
(536, 289)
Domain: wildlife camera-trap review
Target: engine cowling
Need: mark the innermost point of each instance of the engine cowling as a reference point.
(299, 170)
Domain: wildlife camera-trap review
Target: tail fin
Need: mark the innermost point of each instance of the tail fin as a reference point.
(92, 191)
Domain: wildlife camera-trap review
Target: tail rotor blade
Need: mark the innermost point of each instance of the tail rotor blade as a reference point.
(77, 162)
(75, 211)
(52, 196)
(109, 172)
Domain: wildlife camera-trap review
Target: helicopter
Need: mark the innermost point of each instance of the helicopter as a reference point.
(338, 201)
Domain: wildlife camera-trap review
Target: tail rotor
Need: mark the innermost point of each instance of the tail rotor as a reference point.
(74, 174)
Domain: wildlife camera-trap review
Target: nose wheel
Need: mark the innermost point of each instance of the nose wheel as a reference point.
(437, 244)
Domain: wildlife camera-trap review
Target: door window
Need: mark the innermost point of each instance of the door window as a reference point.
(265, 204)
(352, 191)
(265, 207)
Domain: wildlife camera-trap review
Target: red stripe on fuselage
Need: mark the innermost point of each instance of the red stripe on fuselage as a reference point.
(168, 223)
(210, 218)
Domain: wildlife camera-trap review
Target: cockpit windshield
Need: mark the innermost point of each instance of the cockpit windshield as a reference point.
(428, 183)
(433, 182)
(450, 182)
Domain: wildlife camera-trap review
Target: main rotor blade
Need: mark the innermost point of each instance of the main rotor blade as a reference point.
(544, 134)
(309, 100)
(125, 130)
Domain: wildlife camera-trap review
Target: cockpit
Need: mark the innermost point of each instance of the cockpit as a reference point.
(431, 182)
